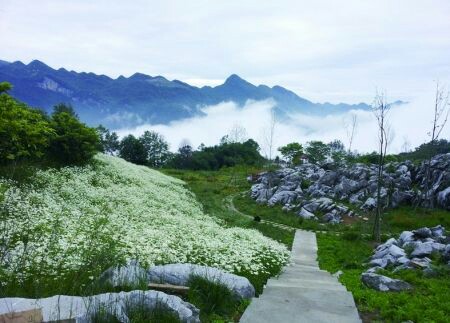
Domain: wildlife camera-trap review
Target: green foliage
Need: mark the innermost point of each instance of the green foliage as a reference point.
(5, 87)
(371, 158)
(66, 108)
(133, 150)
(292, 153)
(156, 147)
(211, 297)
(426, 150)
(74, 143)
(109, 141)
(317, 151)
(227, 154)
(25, 133)
(142, 313)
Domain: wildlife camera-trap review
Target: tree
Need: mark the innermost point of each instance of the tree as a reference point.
(64, 107)
(317, 151)
(380, 109)
(156, 147)
(337, 151)
(351, 128)
(5, 87)
(269, 135)
(25, 133)
(440, 116)
(109, 141)
(292, 153)
(74, 142)
(237, 134)
(133, 150)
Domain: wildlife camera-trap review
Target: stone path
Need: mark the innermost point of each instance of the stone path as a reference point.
(303, 292)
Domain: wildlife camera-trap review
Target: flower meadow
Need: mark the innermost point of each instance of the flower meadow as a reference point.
(87, 218)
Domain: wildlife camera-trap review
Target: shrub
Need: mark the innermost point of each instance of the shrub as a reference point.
(74, 143)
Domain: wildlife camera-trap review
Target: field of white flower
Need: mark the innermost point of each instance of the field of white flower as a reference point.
(82, 218)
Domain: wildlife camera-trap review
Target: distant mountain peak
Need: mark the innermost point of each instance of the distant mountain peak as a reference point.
(140, 98)
(37, 63)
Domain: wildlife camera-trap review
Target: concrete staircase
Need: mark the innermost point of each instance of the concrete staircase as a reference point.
(303, 292)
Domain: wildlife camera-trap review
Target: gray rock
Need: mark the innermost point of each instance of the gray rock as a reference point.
(383, 283)
(405, 236)
(422, 233)
(80, 309)
(303, 213)
(446, 253)
(420, 262)
(130, 275)
(427, 248)
(378, 262)
(179, 274)
(443, 198)
(437, 231)
(369, 204)
(282, 197)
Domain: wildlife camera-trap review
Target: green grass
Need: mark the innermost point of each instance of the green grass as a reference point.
(428, 302)
(214, 299)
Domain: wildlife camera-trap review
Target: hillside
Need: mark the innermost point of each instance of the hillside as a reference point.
(77, 221)
(140, 98)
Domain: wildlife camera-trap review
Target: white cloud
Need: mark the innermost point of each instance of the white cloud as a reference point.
(411, 121)
(324, 50)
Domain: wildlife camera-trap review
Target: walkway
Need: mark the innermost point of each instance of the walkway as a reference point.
(303, 292)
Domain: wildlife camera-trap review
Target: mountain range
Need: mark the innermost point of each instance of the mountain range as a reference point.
(140, 98)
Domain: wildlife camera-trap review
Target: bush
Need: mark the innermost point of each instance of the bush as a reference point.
(74, 143)
(25, 133)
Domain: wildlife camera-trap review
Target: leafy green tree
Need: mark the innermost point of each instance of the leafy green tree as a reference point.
(317, 151)
(74, 143)
(133, 150)
(292, 152)
(5, 87)
(109, 141)
(25, 133)
(156, 147)
(64, 107)
(337, 151)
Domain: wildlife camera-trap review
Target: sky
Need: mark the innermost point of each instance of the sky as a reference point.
(325, 51)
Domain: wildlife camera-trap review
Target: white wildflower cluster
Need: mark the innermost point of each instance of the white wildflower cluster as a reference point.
(70, 218)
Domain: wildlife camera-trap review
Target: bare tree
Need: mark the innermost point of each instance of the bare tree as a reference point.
(380, 109)
(441, 113)
(237, 133)
(269, 136)
(350, 128)
(406, 146)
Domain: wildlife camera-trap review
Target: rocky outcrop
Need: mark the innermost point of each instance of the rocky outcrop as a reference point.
(383, 283)
(303, 189)
(61, 308)
(420, 244)
(179, 274)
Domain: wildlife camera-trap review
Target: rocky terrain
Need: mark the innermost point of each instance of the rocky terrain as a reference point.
(327, 191)
(412, 250)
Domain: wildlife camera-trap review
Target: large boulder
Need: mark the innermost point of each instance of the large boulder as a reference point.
(61, 308)
(443, 198)
(130, 275)
(384, 283)
(179, 274)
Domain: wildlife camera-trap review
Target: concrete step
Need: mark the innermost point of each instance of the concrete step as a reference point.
(301, 283)
(293, 305)
(303, 292)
